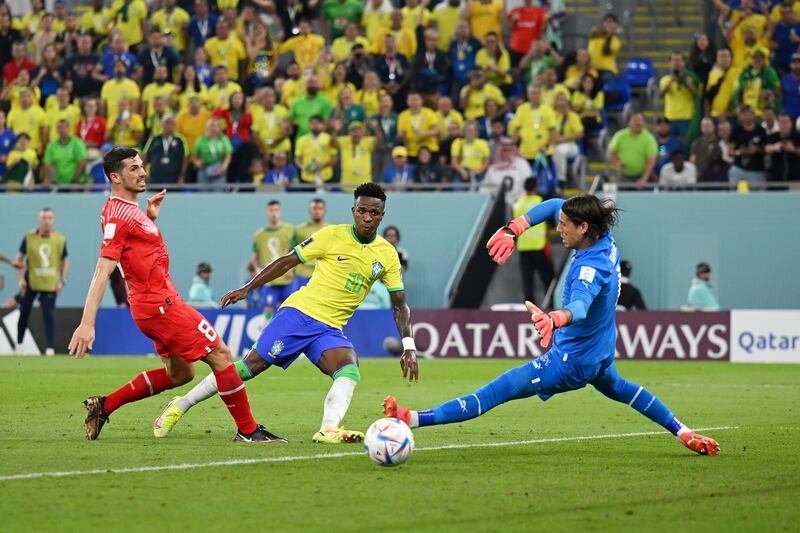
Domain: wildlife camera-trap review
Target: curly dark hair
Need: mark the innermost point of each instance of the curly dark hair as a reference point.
(371, 190)
(600, 215)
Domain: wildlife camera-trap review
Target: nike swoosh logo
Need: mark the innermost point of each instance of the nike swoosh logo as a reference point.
(340, 258)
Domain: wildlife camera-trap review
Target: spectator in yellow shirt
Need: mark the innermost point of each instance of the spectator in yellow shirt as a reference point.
(314, 155)
(551, 88)
(174, 18)
(65, 110)
(742, 21)
(369, 96)
(576, 71)
(129, 17)
(721, 82)
(568, 131)
(604, 45)
(191, 123)
(418, 126)
(160, 87)
(405, 39)
(469, 155)
(118, 88)
(446, 16)
(95, 19)
(226, 50)
(355, 153)
(474, 95)
(375, 17)
(678, 90)
(341, 46)
(268, 122)
(533, 125)
(219, 94)
(493, 59)
(30, 119)
(127, 129)
(415, 14)
(22, 162)
(306, 46)
(446, 114)
(293, 87)
(484, 16)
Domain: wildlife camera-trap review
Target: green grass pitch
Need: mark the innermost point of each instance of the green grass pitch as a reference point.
(634, 482)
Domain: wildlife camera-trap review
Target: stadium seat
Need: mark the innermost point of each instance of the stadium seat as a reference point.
(619, 105)
(641, 74)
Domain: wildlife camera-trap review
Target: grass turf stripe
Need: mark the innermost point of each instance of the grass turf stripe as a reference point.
(289, 458)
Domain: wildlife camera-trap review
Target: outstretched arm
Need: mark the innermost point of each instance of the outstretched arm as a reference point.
(274, 270)
(504, 240)
(402, 318)
(83, 337)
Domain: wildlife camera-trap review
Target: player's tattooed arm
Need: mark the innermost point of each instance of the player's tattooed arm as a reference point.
(272, 271)
(83, 338)
(402, 318)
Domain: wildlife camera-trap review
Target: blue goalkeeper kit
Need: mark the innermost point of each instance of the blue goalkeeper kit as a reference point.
(582, 352)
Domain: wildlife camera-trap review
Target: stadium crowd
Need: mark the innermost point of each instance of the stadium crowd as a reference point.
(288, 92)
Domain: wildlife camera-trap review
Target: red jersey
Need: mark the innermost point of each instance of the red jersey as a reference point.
(528, 26)
(133, 240)
(92, 132)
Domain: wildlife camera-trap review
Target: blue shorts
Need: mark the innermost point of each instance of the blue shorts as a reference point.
(291, 333)
(298, 282)
(274, 296)
(553, 372)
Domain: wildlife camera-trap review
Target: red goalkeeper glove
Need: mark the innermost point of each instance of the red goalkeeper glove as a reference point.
(504, 240)
(546, 323)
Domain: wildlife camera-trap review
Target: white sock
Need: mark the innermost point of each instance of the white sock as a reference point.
(681, 431)
(414, 420)
(337, 401)
(202, 391)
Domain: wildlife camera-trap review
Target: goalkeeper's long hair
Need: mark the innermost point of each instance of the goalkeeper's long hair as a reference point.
(600, 215)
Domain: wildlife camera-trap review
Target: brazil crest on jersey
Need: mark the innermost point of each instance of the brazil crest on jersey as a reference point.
(346, 269)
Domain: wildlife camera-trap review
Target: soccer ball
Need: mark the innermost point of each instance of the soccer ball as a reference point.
(389, 442)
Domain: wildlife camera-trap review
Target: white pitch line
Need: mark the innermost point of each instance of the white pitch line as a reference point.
(289, 458)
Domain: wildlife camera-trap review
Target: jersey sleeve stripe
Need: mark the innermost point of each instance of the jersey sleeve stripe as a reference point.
(299, 254)
(397, 289)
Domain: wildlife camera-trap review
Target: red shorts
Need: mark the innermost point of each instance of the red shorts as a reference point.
(180, 331)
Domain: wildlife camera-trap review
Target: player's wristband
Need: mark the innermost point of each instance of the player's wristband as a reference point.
(408, 344)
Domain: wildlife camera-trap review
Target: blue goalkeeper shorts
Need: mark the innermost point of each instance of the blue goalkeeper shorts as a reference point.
(554, 372)
(291, 333)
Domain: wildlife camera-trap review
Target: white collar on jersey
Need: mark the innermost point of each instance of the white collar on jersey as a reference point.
(123, 200)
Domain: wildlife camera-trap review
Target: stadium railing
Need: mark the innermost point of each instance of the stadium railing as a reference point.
(241, 187)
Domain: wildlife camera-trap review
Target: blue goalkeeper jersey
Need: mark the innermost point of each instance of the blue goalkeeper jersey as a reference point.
(593, 284)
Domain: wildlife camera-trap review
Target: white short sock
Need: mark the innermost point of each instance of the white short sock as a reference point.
(414, 422)
(337, 402)
(202, 391)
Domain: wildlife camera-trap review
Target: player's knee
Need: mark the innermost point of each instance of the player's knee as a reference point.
(182, 375)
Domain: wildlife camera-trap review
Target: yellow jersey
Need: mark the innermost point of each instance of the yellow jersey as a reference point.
(411, 123)
(549, 95)
(724, 82)
(534, 126)
(314, 152)
(471, 155)
(271, 243)
(589, 107)
(600, 61)
(477, 99)
(346, 269)
(192, 126)
(125, 136)
(445, 120)
(414, 15)
(483, 59)
(485, 17)
(186, 95)
(306, 48)
(569, 123)
(94, 22)
(369, 100)
(406, 42)
(341, 47)
(292, 90)
(535, 237)
(268, 126)
(113, 91)
(756, 22)
(374, 21)
(678, 100)
(72, 113)
(446, 18)
(303, 232)
(16, 90)
(176, 22)
(221, 96)
(228, 53)
(30, 121)
(128, 15)
(151, 90)
(356, 161)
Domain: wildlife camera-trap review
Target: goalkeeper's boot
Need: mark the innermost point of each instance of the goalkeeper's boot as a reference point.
(337, 436)
(392, 410)
(260, 435)
(170, 416)
(96, 416)
(698, 443)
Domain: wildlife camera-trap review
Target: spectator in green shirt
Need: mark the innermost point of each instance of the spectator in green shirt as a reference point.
(309, 105)
(65, 157)
(337, 13)
(700, 297)
(633, 150)
(200, 292)
(212, 154)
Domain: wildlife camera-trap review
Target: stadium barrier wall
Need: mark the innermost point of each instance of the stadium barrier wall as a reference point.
(740, 336)
(218, 228)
